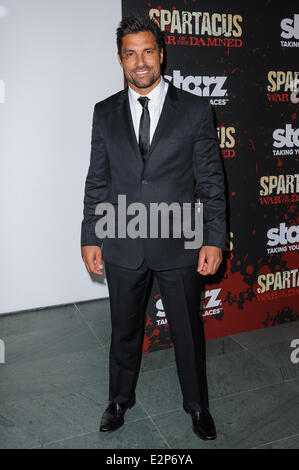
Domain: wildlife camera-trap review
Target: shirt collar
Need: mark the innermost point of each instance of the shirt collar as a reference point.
(153, 95)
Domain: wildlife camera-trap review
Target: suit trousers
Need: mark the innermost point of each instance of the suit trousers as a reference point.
(180, 289)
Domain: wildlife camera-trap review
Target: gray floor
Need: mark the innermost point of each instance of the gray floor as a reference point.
(54, 387)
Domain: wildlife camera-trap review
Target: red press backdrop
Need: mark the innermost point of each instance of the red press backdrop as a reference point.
(245, 58)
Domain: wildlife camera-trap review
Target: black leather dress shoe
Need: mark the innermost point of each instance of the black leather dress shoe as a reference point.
(203, 423)
(113, 416)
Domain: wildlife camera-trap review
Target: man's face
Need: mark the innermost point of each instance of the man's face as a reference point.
(141, 61)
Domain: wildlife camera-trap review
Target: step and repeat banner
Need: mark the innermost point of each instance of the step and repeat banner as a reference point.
(244, 57)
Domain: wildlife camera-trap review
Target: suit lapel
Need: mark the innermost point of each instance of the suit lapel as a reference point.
(166, 120)
(126, 128)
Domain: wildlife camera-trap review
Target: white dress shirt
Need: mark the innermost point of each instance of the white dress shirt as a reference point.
(155, 105)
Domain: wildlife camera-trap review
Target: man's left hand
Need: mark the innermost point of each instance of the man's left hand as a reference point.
(209, 260)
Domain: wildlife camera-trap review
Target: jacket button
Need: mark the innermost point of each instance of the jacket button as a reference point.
(144, 181)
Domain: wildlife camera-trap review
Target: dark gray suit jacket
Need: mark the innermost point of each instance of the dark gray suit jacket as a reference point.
(183, 163)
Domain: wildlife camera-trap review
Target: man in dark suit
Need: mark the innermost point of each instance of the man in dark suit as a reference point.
(154, 143)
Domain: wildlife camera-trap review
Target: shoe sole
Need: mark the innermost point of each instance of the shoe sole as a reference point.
(111, 429)
(204, 438)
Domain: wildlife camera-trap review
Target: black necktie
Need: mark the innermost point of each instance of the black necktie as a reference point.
(144, 126)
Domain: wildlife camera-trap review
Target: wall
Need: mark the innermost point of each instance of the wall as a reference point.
(58, 58)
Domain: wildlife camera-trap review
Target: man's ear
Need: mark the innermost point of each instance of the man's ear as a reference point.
(161, 56)
(119, 60)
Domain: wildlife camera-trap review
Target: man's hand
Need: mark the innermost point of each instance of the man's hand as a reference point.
(92, 257)
(209, 260)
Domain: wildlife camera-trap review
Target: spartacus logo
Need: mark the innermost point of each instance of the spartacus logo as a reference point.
(279, 189)
(227, 141)
(290, 30)
(201, 86)
(283, 86)
(277, 284)
(196, 28)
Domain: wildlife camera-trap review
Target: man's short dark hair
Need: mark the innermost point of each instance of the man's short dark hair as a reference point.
(136, 23)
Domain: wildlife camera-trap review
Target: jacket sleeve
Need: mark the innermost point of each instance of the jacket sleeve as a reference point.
(209, 181)
(97, 184)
